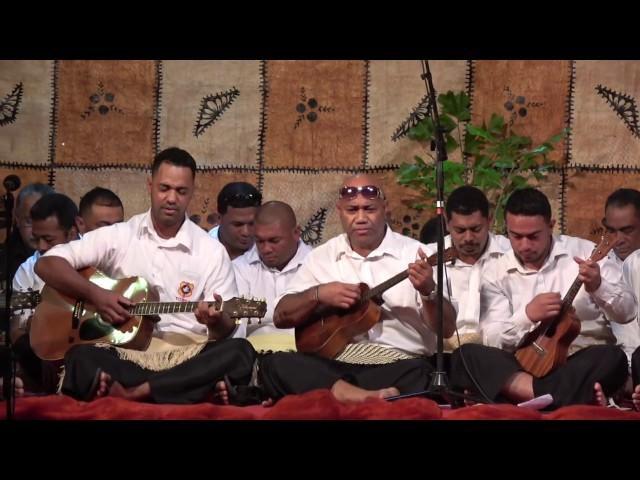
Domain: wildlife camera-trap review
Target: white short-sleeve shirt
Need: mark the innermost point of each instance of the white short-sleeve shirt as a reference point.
(191, 266)
(402, 326)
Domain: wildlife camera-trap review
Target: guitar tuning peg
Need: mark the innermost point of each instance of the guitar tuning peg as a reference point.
(238, 322)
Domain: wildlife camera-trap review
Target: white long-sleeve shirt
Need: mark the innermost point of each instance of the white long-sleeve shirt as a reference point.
(508, 288)
(628, 335)
(464, 283)
(191, 266)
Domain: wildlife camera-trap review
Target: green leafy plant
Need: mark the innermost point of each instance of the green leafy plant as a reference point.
(498, 161)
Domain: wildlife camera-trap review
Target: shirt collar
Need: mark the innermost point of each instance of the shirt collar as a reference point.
(253, 257)
(558, 249)
(386, 247)
(184, 236)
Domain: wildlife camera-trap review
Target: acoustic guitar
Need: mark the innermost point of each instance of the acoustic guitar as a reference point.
(60, 322)
(547, 347)
(329, 330)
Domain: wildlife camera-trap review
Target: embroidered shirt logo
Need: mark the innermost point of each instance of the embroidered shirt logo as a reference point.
(185, 290)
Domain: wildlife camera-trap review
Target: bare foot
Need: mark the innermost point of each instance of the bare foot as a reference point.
(110, 388)
(345, 392)
(598, 395)
(220, 394)
(635, 397)
(105, 385)
(18, 387)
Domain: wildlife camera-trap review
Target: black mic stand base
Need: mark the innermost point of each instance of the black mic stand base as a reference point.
(440, 393)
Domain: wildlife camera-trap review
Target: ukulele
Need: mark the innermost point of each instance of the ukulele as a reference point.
(329, 330)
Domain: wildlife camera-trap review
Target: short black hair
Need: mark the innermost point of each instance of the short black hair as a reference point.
(466, 200)
(175, 156)
(623, 197)
(529, 202)
(238, 195)
(431, 230)
(99, 196)
(56, 204)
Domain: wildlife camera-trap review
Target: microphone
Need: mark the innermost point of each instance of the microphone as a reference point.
(11, 183)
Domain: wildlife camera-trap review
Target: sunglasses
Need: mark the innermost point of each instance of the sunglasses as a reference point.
(367, 191)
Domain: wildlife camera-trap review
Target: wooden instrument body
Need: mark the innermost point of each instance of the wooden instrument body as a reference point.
(60, 322)
(329, 331)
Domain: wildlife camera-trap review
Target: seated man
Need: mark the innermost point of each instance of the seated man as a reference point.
(622, 216)
(524, 288)
(181, 263)
(237, 206)
(54, 220)
(389, 358)
(631, 275)
(266, 270)
(21, 244)
(469, 222)
(99, 207)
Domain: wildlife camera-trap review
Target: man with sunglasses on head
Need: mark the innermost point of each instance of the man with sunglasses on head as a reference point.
(238, 203)
(390, 358)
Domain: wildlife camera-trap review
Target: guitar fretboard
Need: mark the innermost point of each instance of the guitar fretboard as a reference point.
(386, 285)
(598, 253)
(449, 255)
(157, 308)
(571, 294)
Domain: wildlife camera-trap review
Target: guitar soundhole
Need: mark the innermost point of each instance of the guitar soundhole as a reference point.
(93, 329)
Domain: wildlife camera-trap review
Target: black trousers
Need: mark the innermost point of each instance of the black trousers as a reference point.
(572, 383)
(28, 360)
(284, 373)
(189, 382)
(635, 367)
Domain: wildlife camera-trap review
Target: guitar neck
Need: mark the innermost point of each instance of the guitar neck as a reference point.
(157, 308)
(386, 285)
(450, 253)
(568, 299)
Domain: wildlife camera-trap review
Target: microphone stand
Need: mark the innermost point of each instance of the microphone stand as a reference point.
(439, 381)
(439, 386)
(9, 370)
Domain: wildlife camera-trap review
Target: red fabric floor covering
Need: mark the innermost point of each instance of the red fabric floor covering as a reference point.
(316, 405)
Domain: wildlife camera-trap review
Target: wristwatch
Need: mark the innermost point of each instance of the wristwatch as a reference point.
(431, 297)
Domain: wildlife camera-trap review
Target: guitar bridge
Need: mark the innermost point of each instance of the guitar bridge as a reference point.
(539, 350)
